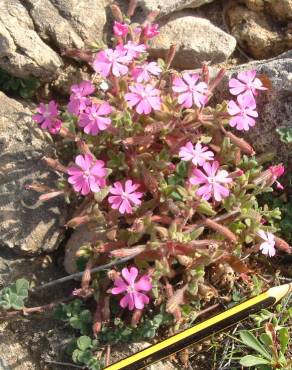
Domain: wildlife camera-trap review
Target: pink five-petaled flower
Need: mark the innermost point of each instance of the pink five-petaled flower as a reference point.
(143, 72)
(145, 98)
(120, 29)
(212, 181)
(79, 98)
(243, 112)
(150, 31)
(277, 171)
(92, 119)
(268, 246)
(198, 154)
(190, 92)
(245, 82)
(132, 49)
(88, 175)
(123, 199)
(133, 297)
(112, 61)
(47, 117)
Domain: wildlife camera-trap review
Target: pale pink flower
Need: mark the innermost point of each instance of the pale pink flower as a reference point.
(246, 82)
(143, 72)
(120, 29)
(150, 31)
(145, 98)
(79, 98)
(131, 49)
(243, 112)
(123, 199)
(47, 117)
(212, 181)
(268, 246)
(189, 90)
(198, 154)
(88, 175)
(111, 61)
(276, 172)
(92, 119)
(133, 297)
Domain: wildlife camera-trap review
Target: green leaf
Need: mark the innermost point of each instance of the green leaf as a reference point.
(284, 339)
(251, 341)
(84, 342)
(249, 360)
(21, 287)
(16, 301)
(266, 339)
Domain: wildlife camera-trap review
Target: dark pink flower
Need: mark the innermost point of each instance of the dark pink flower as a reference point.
(112, 61)
(198, 154)
(92, 119)
(246, 82)
(243, 111)
(150, 31)
(277, 171)
(133, 297)
(47, 117)
(88, 175)
(143, 72)
(123, 199)
(189, 90)
(79, 98)
(145, 98)
(212, 181)
(120, 29)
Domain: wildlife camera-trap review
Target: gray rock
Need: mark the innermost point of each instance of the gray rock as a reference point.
(274, 106)
(170, 6)
(26, 226)
(257, 32)
(197, 40)
(22, 52)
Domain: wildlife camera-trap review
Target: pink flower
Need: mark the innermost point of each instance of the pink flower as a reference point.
(47, 117)
(211, 181)
(143, 72)
(133, 297)
(78, 99)
(198, 154)
(88, 175)
(124, 199)
(190, 92)
(150, 31)
(92, 121)
(145, 98)
(277, 171)
(243, 112)
(111, 61)
(268, 246)
(120, 29)
(132, 49)
(246, 82)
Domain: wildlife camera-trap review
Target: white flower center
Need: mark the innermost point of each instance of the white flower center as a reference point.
(131, 289)
(211, 180)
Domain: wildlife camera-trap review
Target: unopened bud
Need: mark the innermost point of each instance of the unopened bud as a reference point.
(55, 164)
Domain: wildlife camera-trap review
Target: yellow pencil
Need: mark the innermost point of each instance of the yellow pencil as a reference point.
(201, 331)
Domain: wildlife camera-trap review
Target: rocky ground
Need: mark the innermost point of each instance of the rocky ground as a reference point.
(33, 36)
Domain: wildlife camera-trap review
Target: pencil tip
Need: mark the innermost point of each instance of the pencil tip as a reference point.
(280, 291)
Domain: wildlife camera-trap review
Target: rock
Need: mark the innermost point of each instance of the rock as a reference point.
(257, 33)
(119, 352)
(22, 52)
(170, 6)
(51, 26)
(82, 236)
(281, 9)
(26, 226)
(274, 106)
(197, 40)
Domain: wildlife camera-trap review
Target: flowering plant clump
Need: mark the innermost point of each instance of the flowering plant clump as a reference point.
(157, 168)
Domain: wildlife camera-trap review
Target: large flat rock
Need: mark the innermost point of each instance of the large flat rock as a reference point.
(26, 226)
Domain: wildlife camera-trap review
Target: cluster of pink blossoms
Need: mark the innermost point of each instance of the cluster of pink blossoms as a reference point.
(47, 117)
(243, 111)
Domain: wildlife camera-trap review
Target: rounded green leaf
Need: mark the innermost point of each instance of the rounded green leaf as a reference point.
(249, 360)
